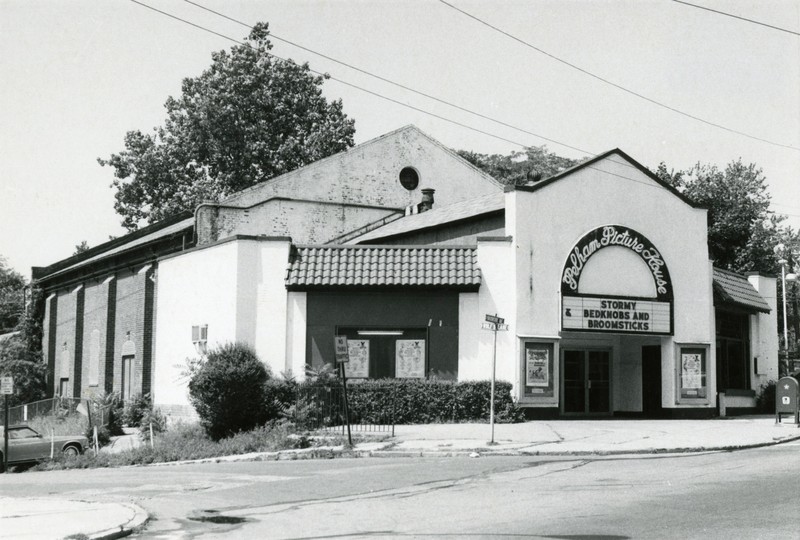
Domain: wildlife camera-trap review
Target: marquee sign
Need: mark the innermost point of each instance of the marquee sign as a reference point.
(616, 314)
(616, 235)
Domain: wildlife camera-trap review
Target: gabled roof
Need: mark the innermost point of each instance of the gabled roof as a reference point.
(383, 266)
(591, 164)
(438, 216)
(231, 199)
(734, 289)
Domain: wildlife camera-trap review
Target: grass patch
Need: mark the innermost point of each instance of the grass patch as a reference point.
(189, 441)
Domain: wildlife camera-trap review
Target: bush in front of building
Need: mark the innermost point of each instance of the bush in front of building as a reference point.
(425, 401)
(227, 389)
(765, 399)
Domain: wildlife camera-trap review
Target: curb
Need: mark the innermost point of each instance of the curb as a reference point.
(139, 520)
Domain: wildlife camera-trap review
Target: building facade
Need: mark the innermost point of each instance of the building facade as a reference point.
(601, 273)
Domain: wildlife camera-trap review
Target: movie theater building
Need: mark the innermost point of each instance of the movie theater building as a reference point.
(601, 274)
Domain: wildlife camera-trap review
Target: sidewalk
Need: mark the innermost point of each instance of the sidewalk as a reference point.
(585, 437)
(58, 518)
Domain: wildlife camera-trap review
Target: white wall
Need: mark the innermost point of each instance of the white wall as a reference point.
(547, 223)
(470, 365)
(237, 289)
(296, 334)
(496, 296)
(764, 331)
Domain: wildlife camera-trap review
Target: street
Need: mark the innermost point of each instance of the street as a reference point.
(745, 494)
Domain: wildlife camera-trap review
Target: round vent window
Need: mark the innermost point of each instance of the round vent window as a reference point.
(409, 178)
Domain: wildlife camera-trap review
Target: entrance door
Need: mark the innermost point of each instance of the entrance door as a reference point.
(651, 380)
(587, 382)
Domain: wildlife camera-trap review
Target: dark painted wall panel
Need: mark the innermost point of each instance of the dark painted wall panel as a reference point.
(436, 312)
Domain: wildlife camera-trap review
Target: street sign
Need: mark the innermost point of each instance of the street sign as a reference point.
(6, 385)
(342, 355)
(494, 319)
(496, 327)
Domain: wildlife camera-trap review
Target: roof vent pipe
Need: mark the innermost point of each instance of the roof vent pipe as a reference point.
(427, 200)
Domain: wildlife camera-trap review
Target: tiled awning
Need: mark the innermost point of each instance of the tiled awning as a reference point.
(383, 266)
(735, 290)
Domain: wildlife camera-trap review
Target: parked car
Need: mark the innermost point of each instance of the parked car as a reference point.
(26, 444)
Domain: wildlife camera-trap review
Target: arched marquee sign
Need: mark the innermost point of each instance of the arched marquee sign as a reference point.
(616, 314)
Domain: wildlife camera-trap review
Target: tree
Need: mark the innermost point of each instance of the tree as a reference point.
(741, 230)
(519, 168)
(247, 118)
(12, 297)
(82, 247)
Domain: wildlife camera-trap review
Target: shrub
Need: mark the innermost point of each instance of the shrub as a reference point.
(279, 396)
(227, 390)
(136, 409)
(421, 401)
(765, 400)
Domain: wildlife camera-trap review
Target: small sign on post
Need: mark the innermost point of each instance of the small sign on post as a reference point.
(342, 358)
(342, 354)
(7, 389)
(495, 324)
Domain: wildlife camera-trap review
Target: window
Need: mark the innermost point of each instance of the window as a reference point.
(409, 178)
(63, 387)
(733, 351)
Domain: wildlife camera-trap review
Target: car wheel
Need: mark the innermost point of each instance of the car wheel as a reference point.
(71, 451)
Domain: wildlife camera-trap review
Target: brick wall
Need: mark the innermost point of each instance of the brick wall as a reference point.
(64, 354)
(95, 310)
(129, 325)
(49, 339)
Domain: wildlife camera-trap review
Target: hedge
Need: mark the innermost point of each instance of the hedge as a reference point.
(421, 401)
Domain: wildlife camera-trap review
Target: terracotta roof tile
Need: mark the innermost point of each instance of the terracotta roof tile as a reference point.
(734, 289)
(354, 266)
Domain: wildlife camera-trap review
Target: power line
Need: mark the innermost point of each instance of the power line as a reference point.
(611, 83)
(376, 94)
(738, 17)
(394, 83)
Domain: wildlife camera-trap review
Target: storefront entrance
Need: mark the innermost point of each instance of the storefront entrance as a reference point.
(586, 382)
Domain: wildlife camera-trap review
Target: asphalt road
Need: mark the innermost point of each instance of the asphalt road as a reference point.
(745, 494)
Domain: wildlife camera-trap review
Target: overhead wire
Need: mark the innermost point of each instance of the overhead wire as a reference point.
(381, 96)
(738, 17)
(611, 83)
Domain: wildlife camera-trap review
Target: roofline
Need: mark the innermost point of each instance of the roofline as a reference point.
(575, 168)
(321, 162)
(41, 273)
(382, 246)
(482, 214)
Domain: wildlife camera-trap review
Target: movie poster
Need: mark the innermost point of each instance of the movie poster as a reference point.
(358, 352)
(537, 367)
(691, 370)
(410, 359)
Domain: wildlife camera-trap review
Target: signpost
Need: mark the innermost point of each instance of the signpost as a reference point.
(494, 323)
(6, 388)
(343, 357)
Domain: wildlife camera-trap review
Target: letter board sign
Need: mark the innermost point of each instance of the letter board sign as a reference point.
(616, 315)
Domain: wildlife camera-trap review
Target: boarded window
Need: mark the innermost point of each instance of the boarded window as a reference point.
(94, 358)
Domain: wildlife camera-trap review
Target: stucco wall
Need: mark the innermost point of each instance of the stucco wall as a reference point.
(547, 223)
(236, 288)
(764, 332)
(368, 174)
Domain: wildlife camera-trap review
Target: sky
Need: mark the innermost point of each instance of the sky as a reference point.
(76, 75)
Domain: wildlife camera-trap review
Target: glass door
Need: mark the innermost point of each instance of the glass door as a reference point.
(587, 382)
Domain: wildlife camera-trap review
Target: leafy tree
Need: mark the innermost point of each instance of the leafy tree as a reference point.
(519, 168)
(82, 247)
(741, 230)
(12, 297)
(244, 120)
(27, 368)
